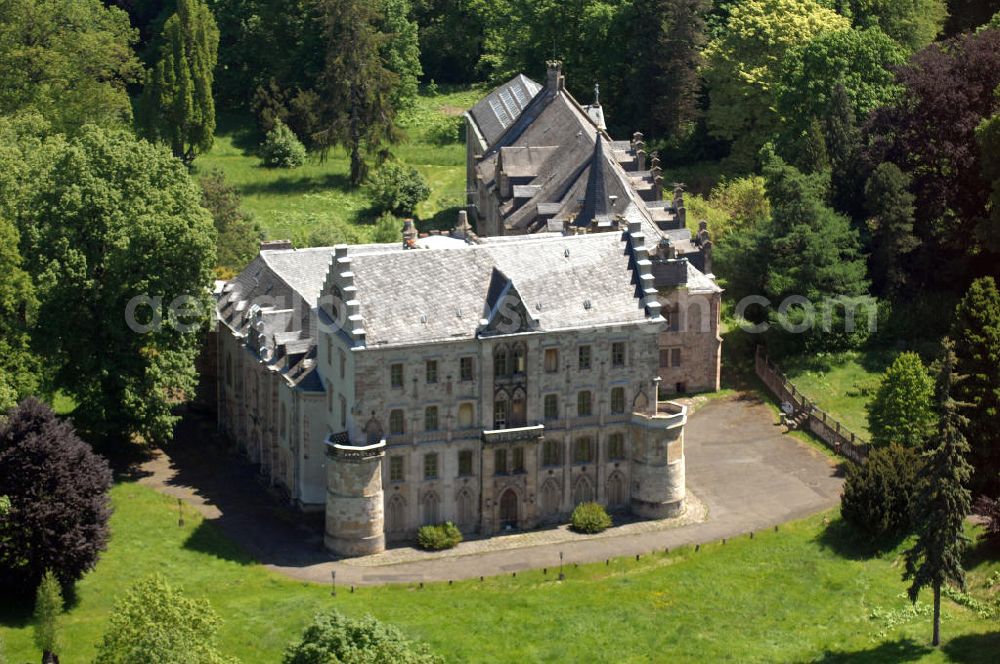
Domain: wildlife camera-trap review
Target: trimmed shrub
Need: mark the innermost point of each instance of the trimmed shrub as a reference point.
(282, 148)
(879, 495)
(590, 518)
(333, 637)
(398, 189)
(441, 536)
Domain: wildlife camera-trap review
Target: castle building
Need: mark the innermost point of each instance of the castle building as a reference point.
(493, 379)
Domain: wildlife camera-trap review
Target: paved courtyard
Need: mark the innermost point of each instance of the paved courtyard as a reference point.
(743, 475)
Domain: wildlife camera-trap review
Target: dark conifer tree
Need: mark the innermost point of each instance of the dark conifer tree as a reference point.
(843, 147)
(943, 503)
(890, 205)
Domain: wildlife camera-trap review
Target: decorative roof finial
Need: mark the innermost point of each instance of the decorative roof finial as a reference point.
(597, 94)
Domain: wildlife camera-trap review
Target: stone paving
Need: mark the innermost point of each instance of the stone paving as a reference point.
(695, 512)
(743, 474)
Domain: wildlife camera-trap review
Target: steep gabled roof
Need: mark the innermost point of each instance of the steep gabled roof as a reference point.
(595, 199)
(501, 108)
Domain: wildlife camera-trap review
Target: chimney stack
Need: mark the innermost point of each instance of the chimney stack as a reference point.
(409, 233)
(555, 80)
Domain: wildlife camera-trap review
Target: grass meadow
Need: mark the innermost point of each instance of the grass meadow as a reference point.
(808, 592)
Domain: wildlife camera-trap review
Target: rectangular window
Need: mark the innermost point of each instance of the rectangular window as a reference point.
(430, 466)
(466, 415)
(551, 360)
(551, 407)
(432, 371)
(617, 400)
(584, 404)
(343, 412)
(584, 357)
(583, 451)
(675, 357)
(464, 463)
(616, 446)
(431, 418)
(501, 413)
(674, 318)
(500, 462)
(465, 368)
(618, 354)
(518, 459)
(396, 468)
(551, 453)
(343, 364)
(397, 424)
(664, 358)
(396, 375)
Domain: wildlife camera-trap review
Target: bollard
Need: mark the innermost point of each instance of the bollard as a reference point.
(421, 585)
(545, 570)
(697, 548)
(480, 579)
(637, 557)
(352, 590)
(751, 534)
(723, 540)
(449, 582)
(607, 561)
(513, 575)
(776, 529)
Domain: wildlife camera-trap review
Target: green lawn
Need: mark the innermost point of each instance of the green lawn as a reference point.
(315, 200)
(794, 595)
(841, 383)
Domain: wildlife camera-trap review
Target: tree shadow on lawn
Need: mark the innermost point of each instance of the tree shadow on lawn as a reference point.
(903, 650)
(241, 128)
(974, 647)
(206, 538)
(302, 184)
(443, 220)
(851, 543)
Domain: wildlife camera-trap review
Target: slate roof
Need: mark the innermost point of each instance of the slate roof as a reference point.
(443, 293)
(501, 108)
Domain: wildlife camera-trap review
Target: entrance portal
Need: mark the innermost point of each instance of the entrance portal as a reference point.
(508, 509)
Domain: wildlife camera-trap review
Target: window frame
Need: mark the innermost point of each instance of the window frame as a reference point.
(584, 397)
(402, 422)
(394, 368)
(431, 459)
(431, 372)
(618, 348)
(394, 460)
(467, 362)
(465, 457)
(550, 399)
(553, 365)
(617, 394)
(432, 418)
(585, 351)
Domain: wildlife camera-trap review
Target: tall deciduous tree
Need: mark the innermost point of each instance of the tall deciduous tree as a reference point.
(976, 333)
(988, 138)
(357, 90)
(177, 104)
(155, 622)
(238, 235)
(942, 504)
(890, 205)
(744, 66)
(58, 493)
(139, 232)
(48, 608)
(402, 49)
(902, 409)
(70, 60)
(912, 23)
(947, 92)
(17, 312)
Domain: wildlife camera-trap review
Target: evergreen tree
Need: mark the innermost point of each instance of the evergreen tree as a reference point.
(810, 251)
(988, 139)
(902, 410)
(177, 104)
(48, 607)
(843, 146)
(238, 235)
(943, 502)
(890, 205)
(356, 105)
(668, 37)
(976, 332)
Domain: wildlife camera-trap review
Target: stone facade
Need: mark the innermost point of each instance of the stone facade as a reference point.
(495, 382)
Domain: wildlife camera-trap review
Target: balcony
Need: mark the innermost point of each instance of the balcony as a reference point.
(515, 435)
(338, 446)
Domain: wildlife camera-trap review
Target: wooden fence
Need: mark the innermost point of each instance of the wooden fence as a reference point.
(830, 431)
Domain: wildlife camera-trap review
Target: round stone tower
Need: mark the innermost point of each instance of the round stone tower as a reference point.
(354, 508)
(658, 462)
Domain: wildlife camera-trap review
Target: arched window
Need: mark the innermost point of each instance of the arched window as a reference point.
(430, 505)
(518, 409)
(616, 491)
(520, 358)
(464, 509)
(395, 515)
(500, 365)
(501, 410)
(583, 490)
(551, 497)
